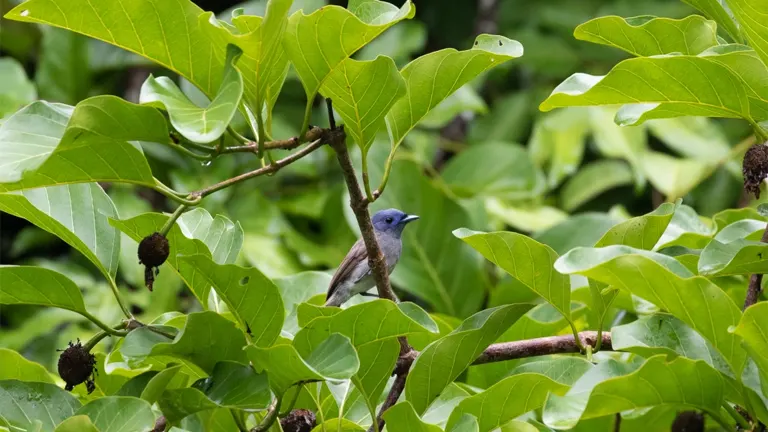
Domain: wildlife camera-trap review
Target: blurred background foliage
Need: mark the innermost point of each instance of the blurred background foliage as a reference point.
(486, 159)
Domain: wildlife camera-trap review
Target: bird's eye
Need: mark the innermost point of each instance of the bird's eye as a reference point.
(388, 220)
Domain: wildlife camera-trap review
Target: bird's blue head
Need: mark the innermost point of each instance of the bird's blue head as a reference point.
(391, 221)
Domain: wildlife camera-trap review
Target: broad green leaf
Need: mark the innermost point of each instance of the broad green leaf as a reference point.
(338, 425)
(592, 180)
(78, 423)
(335, 359)
(223, 238)
(466, 423)
(264, 64)
(441, 408)
(39, 286)
(21, 151)
(729, 216)
(362, 94)
(206, 339)
(434, 76)
(145, 224)
(316, 55)
(372, 328)
(445, 359)
(655, 383)
(298, 289)
(664, 282)
(170, 36)
(674, 177)
(508, 172)
(559, 139)
(16, 367)
(402, 416)
(77, 214)
(686, 229)
(62, 73)
(463, 100)
(735, 250)
(16, 90)
(646, 36)
(24, 403)
(520, 256)
(507, 399)
(97, 145)
(231, 385)
(744, 62)
(119, 414)
(565, 370)
(584, 229)
(642, 232)
(678, 85)
(251, 297)
(751, 329)
(516, 426)
(158, 383)
(696, 138)
(750, 229)
(718, 10)
(751, 17)
(433, 267)
(200, 125)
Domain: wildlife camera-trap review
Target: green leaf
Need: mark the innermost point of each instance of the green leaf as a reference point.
(206, 339)
(171, 37)
(662, 333)
(686, 229)
(735, 250)
(251, 297)
(145, 224)
(656, 383)
(264, 64)
(158, 383)
(565, 370)
(97, 145)
(433, 77)
(24, 403)
(333, 360)
(77, 214)
(664, 282)
(16, 90)
(231, 385)
(467, 423)
(751, 329)
(223, 238)
(362, 93)
(592, 180)
(39, 286)
(463, 100)
(581, 230)
(718, 10)
(507, 399)
(698, 138)
(16, 367)
(403, 417)
(200, 125)
(646, 36)
(750, 14)
(119, 414)
(62, 73)
(316, 55)
(78, 423)
(559, 138)
(677, 85)
(642, 232)
(524, 218)
(526, 260)
(372, 328)
(297, 289)
(432, 267)
(445, 359)
(508, 172)
(614, 141)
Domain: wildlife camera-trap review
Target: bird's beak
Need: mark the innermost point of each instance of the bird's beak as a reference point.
(409, 218)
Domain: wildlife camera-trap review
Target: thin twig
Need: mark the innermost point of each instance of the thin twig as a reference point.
(270, 418)
(286, 144)
(269, 169)
(755, 281)
(503, 351)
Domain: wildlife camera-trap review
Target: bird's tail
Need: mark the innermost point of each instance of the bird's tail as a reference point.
(334, 299)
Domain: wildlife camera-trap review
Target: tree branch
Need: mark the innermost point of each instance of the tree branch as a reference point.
(313, 134)
(496, 353)
(269, 169)
(755, 281)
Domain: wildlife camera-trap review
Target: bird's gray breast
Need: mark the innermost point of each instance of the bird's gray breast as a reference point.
(391, 246)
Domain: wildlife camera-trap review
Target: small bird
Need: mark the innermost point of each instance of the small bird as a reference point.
(354, 275)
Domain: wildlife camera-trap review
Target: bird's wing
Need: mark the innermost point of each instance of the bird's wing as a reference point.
(355, 255)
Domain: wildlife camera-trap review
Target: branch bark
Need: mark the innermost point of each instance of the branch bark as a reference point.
(755, 281)
(496, 353)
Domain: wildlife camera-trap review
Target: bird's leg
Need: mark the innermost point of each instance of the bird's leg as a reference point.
(367, 294)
